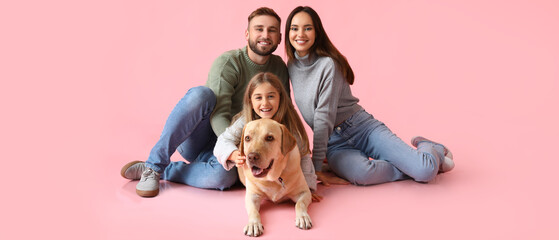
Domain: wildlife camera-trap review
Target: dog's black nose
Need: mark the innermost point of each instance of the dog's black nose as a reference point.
(253, 157)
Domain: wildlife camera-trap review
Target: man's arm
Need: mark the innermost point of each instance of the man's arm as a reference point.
(222, 80)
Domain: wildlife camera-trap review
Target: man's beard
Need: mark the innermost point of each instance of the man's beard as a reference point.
(255, 49)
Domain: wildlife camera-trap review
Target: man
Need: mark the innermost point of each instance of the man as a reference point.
(204, 113)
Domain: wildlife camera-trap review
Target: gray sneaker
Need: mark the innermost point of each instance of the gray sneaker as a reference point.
(448, 161)
(149, 183)
(133, 170)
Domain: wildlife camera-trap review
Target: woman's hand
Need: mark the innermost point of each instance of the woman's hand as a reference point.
(237, 158)
(328, 178)
(316, 197)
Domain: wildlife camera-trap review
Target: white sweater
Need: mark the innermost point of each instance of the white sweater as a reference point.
(228, 141)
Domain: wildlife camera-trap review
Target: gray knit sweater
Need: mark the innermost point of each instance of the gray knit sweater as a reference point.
(228, 79)
(323, 97)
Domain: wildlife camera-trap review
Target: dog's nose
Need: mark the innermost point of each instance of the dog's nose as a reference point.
(253, 157)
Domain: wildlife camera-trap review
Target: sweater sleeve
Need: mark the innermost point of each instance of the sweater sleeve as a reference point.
(222, 80)
(325, 113)
(308, 171)
(228, 142)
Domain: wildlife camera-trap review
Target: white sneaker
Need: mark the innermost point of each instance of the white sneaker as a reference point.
(447, 163)
(149, 183)
(133, 170)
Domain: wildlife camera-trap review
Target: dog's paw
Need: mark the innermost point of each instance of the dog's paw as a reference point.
(254, 229)
(303, 221)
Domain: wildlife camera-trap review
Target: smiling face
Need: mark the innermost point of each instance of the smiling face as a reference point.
(263, 35)
(265, 143)
(302, 33)
(261, 143)
(265, 100)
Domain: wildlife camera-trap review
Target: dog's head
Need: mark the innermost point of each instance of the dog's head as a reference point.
(265, 142)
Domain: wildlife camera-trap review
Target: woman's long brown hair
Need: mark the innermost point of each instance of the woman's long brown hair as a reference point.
(322, 45)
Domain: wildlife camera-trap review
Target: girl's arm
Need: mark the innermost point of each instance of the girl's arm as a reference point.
(228, 142)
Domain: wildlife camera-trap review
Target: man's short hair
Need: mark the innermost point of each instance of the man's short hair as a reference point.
(264, 11)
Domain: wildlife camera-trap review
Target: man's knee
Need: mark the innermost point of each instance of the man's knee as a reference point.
(201, 94)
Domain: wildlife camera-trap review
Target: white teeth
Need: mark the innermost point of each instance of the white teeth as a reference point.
(263, 43)
(265, 110)
(300, 41)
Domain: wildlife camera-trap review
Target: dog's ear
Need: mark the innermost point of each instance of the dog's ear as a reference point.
(242, 144)
(288, 142)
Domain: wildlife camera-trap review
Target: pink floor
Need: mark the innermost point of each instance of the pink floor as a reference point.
(86, 87)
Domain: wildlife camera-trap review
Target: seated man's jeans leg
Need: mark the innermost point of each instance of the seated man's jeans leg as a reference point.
(202, 172)
(189, 120)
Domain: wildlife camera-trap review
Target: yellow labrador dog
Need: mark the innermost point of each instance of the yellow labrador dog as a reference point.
(272, 171)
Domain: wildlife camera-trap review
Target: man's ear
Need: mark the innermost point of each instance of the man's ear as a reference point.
(246, 34)
(242, 144)
(288, 142)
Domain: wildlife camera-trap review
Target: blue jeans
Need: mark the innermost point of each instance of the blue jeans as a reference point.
(188, 131)
(362, 137)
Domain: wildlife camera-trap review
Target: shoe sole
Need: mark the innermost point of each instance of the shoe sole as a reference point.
(128, 165)
(147, 193)
(447, 165)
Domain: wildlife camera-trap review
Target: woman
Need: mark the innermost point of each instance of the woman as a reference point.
(344, 133)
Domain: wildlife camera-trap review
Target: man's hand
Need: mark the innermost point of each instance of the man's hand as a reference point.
(237, 158)
(328, 178)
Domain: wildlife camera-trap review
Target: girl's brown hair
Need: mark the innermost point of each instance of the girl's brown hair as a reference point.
(322, 45)
(286, 113)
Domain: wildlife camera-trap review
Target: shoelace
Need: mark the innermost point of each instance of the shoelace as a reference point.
(149, 173)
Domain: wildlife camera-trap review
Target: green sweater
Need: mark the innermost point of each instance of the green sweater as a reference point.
(228, 79)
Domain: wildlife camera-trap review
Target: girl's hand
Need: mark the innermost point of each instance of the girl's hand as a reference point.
(237, 158)
(328, 178)
(316, 197)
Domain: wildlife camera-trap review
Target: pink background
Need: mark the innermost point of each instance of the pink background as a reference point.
(87, 86)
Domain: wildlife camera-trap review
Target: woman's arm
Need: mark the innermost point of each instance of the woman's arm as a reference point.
(308, 171)
(326, 111)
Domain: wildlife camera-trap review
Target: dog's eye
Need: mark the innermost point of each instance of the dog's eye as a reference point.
(270, 138)
(247, 138)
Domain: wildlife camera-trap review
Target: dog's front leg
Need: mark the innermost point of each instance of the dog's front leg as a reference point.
(254, 227)
(302, 218)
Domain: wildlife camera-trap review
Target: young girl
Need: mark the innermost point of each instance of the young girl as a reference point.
(344, 132)
(265, 97)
